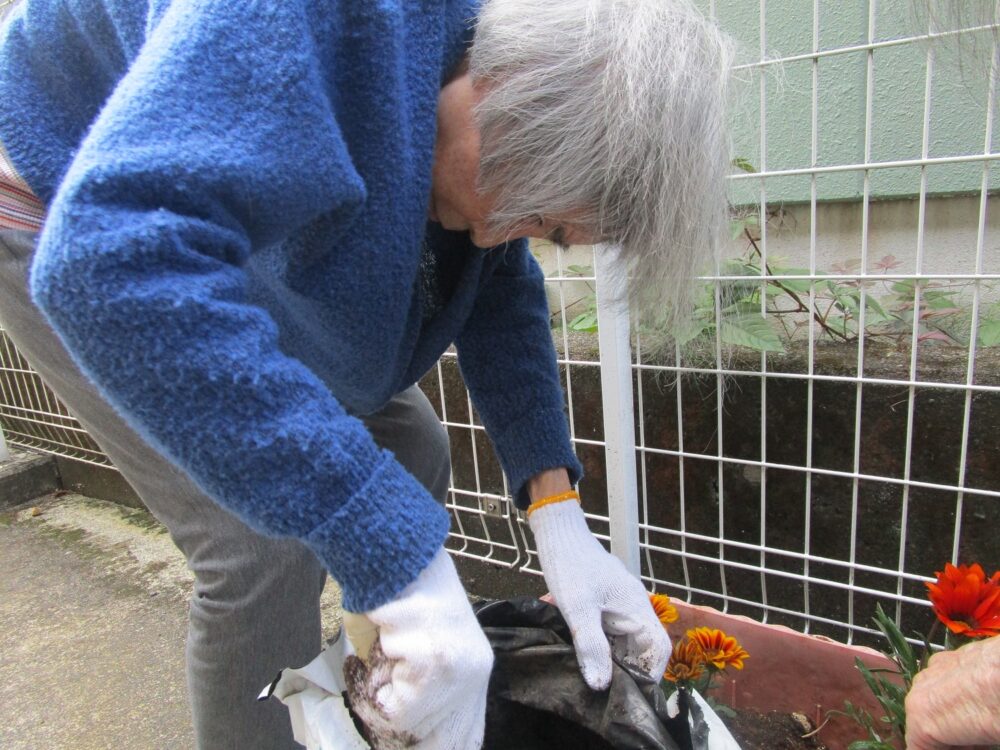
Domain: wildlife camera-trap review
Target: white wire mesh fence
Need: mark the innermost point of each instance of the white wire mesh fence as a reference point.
(825, 439)
(32, 417)
(828, 442)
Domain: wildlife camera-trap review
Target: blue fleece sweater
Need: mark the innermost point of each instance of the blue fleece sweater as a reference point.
(237, 253)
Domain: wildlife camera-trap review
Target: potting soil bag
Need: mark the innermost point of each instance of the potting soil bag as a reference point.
(314, 695)
(537, 696)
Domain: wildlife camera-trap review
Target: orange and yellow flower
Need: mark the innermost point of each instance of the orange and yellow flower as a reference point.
(720, 650)
(966, 601)
(663, 608)
(687, 662)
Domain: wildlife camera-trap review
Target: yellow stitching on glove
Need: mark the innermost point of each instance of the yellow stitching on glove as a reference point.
(561, 497)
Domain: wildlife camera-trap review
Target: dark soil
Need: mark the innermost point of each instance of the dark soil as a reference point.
(920, 434)
(751, 729)
(771, 731)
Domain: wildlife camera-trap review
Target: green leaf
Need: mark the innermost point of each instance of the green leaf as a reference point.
(849, 302)
(845, 324)
(584, 322)
(740, 224)
(902, 651)
(860, 717)
(937, 299)
(794, 271)
(989, 333)
(744, 165)
(739, 291)
(739, 268)
(741, 309)
(799, 286)
(738, 227)
(751, 332)
(872, 306)
(893, 700)
(577, 270)
(873, 683)
(692, 331)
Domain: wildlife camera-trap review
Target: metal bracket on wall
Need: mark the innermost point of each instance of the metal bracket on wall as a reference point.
(493, 507)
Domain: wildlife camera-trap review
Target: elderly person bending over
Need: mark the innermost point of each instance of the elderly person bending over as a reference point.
(264, 221)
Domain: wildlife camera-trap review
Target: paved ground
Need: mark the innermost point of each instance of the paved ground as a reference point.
(92, 622)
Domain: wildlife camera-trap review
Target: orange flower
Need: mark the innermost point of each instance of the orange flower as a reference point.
(663, 608)
(720, 650)
(966, 601)
(687, 662)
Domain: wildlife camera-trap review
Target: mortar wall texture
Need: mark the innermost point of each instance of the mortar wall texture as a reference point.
(951, 226)
(958, 93)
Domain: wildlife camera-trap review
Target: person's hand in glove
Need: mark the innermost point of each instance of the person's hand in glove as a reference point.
(423, 685)
(597, 596)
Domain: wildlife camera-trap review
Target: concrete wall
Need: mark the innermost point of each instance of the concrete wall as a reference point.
(951, 226)
(950, 234)
(958, 97)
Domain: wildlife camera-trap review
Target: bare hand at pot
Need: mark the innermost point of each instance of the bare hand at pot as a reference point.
(955, 701)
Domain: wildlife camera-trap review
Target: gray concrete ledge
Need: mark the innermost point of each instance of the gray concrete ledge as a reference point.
(25, 476)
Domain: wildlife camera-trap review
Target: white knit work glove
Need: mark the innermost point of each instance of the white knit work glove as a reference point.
(597, 596)
(423, 685)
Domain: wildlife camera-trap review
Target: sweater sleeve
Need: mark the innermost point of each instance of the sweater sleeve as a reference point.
(218, 140)
(509, 365)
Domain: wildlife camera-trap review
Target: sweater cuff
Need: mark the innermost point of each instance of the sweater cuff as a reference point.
(380, 540)
(534, 444)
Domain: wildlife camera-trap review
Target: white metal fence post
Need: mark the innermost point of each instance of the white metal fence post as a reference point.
(4, 453)
(619, 418)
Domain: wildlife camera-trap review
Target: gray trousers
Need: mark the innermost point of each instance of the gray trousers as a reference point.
(255, 605)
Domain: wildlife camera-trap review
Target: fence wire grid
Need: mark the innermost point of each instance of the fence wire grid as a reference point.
(747, 491)
(800, 482)
(31, 415)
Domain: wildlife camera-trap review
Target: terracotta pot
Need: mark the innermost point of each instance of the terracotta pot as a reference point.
(789, 672)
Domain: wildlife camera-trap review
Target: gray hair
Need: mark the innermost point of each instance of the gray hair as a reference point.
(973, 53)
(612, 112)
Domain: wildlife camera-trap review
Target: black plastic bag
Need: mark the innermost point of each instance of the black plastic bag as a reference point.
(538, 699)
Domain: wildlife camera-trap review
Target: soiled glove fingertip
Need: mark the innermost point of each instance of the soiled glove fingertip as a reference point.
(596, 673)
(661, 657)
(596, 681)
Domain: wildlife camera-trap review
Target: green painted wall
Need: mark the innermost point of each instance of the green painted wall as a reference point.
(959, 91)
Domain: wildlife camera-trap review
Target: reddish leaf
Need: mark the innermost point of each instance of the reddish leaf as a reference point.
(847, 267)
(887, 263)
(934, 336)
(944, 311)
